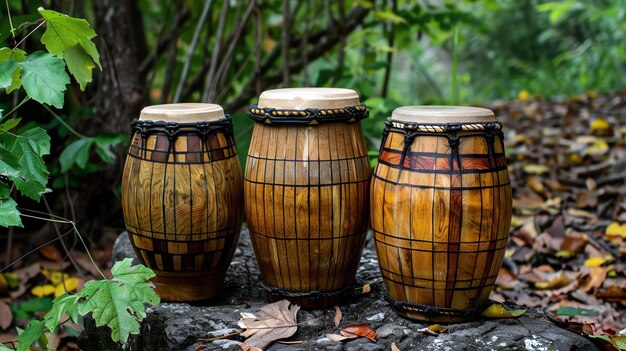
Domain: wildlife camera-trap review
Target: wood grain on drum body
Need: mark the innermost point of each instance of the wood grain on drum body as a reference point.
(183, 206)
(307, 193)
(441, 212)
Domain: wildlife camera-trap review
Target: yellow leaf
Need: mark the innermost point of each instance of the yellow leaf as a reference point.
(616, 229)
(535, 169)
(599, 125)
(564, 254)
(598, 148)
(55, 277)
(434, 329)
(498, 310)
(523, 95)
(70, 284)
(42, 290)
(594, 262)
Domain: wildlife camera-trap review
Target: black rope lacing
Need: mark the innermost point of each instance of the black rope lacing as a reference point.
(309, 294)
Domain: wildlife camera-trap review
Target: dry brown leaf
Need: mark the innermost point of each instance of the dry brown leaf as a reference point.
(295, 342)
(51, 253)
(273, 322)
(363, 330)
(340, 338)
(6, 316)
(338, 316)
(246, 347)
(592, 278)
(200, 348)
(394, 347)
(556, 281)
(366, 289)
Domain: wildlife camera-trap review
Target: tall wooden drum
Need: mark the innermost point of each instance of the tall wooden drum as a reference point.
(441, 210)
(307, 192)
(182, 195)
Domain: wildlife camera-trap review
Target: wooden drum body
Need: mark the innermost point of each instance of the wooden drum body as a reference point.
(306, 193)
(441, 210)
(182, 195)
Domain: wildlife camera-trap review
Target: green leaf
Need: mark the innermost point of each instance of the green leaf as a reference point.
(80, 65)
(28, 148)
(574, 311)
(44, 78)
(10, 124)
(76, 152)
(104, 143)
(36, 304)
(9, 215)
(64, 304)
(9, 164)
(119, 302)
(389, 16)
(17, 55)
(63, 32)
(7, 69)
(5, 190)
(31, 334)
(5, 348)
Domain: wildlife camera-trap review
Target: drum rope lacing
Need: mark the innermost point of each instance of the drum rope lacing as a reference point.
(434, 311)
(272, 115)
(310, 294)
(175, 129)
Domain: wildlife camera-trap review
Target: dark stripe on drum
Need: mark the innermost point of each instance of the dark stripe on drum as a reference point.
(194, 149)
(163, 145)
(432, 164)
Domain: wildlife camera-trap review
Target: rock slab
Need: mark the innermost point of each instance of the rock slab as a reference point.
(177, 326)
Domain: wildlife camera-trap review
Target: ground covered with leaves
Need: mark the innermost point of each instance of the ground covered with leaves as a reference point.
(567, 253)
(567, 162)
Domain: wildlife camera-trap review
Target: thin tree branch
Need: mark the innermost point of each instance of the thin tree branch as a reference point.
(341, 58)
(285, 40)
(216, 52)
(192, 49)
(177, 28)
(324, 44)
(390, 42)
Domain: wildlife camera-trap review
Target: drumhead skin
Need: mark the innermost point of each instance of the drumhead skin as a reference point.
(182, 113)
(442, 114)
(302, 98)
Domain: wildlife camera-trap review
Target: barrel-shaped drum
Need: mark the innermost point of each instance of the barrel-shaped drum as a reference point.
(441, 210)
(306, 192)
(182, 195)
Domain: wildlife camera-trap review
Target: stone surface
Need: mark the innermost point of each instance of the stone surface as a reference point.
(177, 326)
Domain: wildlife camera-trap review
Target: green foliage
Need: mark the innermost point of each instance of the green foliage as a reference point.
(28, 148)
(77, 152)
(44, 78)
(118, 303)
(574, 311)
(71, 38)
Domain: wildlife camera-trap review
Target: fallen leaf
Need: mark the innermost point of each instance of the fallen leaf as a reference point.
(535, 169)
(200, 348)
(600, 126)
(616, 229)
(394, 347)
(69, 284)
(366, 289)
(246, 347)
(498, 310)
(574, 311)
(434, 329)
(273, 322)
(338, 315)
(28, 272)
(42, 290)
(6, 316)
(523, 95)
(55, 277)
(592, 278)
(594, 262)
(50, 252)
(340, 338)
(363, 330)
(556, 281)
(295, 342)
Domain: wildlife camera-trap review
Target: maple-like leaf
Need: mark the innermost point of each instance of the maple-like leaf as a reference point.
(273, 322)
(119, 302)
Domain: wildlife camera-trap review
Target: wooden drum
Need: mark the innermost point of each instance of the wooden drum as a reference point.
(441, 210)
(306, 193)
(182, 197)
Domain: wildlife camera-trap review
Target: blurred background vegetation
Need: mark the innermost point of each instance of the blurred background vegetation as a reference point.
(393, 52)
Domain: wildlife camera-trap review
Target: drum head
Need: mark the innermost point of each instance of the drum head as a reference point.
(303, 98)
(442, 114)
(182, 113)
